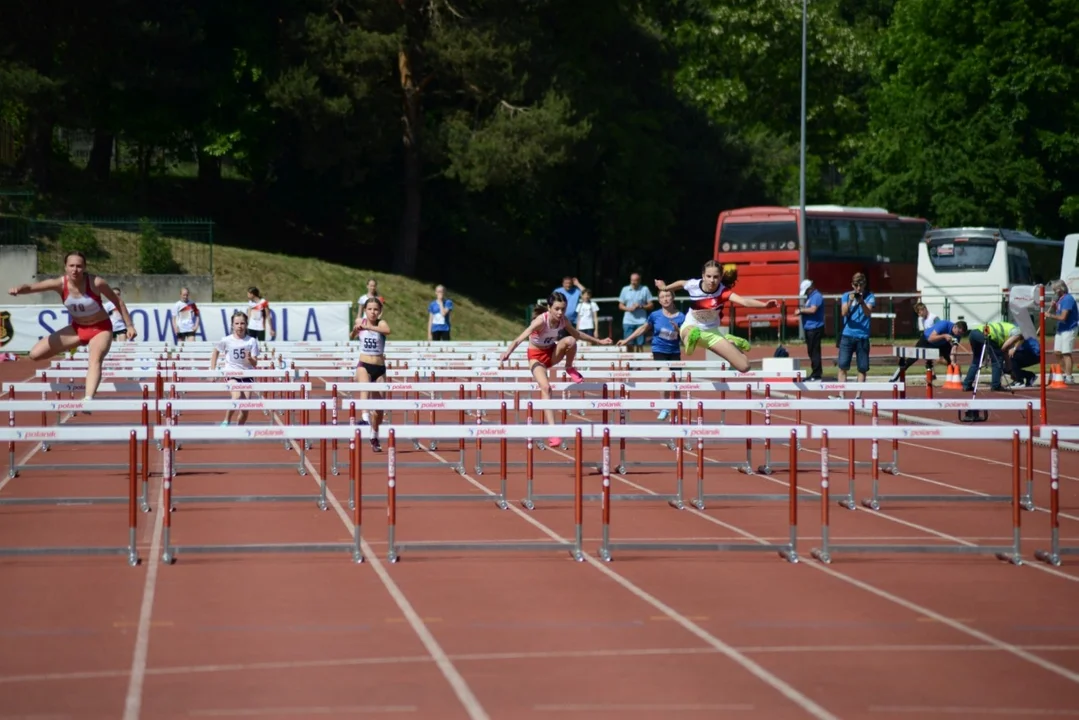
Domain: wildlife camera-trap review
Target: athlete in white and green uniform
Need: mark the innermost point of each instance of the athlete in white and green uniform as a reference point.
(708, 294)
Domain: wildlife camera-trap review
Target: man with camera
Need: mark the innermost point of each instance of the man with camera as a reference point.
(857, 310)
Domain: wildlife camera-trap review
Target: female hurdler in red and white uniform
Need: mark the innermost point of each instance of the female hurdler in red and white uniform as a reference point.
(545, 350)
(707, 296)
(90, 325)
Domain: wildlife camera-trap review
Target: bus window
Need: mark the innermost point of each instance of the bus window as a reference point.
(948, 254)
(749, 236)
(872, 241)
(901, 241)
(1019, 271)
(845, 238)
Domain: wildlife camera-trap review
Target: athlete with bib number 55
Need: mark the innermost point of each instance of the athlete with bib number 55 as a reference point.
(241, 353)
(371, 330)
(90, 325)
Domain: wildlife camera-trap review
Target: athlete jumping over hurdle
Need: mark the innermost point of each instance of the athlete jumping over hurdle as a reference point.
(90, 325)
(545, 350)
(707, 296)
(371, 330)
(241, 353)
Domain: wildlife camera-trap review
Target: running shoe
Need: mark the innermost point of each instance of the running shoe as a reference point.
(739, 342)
(574, 375)
(663, 415)
(553, 442)
(375, 445)
(692, 339)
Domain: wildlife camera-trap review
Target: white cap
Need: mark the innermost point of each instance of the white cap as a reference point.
(806, 284)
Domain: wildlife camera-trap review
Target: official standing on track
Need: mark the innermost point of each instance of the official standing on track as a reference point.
(813, 323)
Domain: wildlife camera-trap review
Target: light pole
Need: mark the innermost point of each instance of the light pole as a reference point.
(802, 170)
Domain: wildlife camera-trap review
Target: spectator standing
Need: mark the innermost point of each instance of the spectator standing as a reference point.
(1065, 313)
(813, 323)
(372, 292)
(635, 301)
(587, 313)
(438, 316)
(185, 317)
(857, 311)
(258, 315)
(119, 327)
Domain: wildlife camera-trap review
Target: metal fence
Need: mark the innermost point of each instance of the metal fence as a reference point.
(120, 246)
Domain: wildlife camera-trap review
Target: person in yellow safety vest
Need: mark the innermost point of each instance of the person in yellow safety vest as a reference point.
(1022, 352)
(992, 337)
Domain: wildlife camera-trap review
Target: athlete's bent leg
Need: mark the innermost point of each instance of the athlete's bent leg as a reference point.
(61, 341)
(98, 348)
(567, 348)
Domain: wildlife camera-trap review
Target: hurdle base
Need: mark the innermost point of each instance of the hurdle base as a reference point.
(394, 554)
(785, 552)
(132, 558)
(874, 503)
(170, 554)
(1053, 557)
(1007, 554)
(180, 499)
(700, 502)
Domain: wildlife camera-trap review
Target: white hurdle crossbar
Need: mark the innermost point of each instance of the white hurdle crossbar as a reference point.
(132, 435)
(1010, 553)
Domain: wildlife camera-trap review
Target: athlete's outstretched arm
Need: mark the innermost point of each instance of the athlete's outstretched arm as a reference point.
(575, 333)
(676, 285)
(639, 331)
(750, 302)
(40, 286)
(532, 327)
(105, 289)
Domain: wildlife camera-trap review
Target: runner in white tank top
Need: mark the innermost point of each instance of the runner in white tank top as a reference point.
(708, 294)
(240, 355)
(81, 293)
(371, 331)
(545, 350)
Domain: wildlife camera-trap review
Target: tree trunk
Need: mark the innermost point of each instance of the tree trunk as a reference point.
(407, 253)
(100, 161)
(39, 148)
(209, 169)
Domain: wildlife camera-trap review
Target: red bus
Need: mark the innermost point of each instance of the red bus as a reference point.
(763, 243)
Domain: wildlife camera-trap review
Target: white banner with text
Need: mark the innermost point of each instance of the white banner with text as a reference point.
(23, 325)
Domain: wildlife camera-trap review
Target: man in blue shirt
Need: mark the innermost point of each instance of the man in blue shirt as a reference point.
(1064, 312)
(941, 336)
(635, 302)
(571, 288)
(1022, 353)
(813, 323)
(857, 310)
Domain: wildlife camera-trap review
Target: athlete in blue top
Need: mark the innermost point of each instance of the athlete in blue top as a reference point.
(665, 324)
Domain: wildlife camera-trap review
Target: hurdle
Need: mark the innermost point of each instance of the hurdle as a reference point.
(906, 352)
(875, 500)
(76, 406)
(1054, 435)
(529, 432)
(265, 432)
(1009, 553)
(133, 435)
(169, 435)
(787, 551)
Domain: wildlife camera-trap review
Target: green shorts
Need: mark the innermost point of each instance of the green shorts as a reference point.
(712, 337)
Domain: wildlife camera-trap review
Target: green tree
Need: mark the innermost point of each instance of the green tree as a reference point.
(976, 120)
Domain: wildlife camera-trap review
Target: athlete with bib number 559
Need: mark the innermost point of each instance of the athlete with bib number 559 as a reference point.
(90, 325)
(371, 330)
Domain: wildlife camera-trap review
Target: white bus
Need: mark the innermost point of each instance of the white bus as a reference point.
(963, 273)
(1069, 264)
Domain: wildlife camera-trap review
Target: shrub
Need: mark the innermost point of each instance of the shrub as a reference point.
(155, 252)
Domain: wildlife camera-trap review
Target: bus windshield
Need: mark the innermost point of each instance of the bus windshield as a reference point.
(959, 254)
(749, 236)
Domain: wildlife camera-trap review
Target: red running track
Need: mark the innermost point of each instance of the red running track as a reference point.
(483, 634)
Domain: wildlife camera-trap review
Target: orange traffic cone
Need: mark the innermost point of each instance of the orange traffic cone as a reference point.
(1058, 377)
(953, 380)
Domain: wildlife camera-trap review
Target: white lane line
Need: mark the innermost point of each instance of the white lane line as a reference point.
(754, 668)
(461, 689)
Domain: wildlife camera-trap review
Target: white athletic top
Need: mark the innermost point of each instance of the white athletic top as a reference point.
(117, 319)
(186, 313)
(81, 308)
(705, 307)
(547, 336)
(371, 342)
(236, 351)
(255, 320)
(586, 315)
